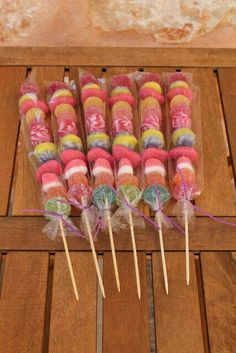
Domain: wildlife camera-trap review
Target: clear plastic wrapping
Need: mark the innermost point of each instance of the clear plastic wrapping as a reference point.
(152, 133)
(122, 102)
(185, 144)
(93, 94)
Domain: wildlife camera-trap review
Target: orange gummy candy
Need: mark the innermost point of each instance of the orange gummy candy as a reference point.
(186, 175)
(155, 179)
(58, 191)
(104, 178)
(77, 179)
(127, 179)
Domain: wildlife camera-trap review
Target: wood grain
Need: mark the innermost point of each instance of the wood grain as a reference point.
(27, 193)
(217, 196)
(177, 316)
(115, 56)
(73, 324)
(125, 321)
(22, 302)
(10, 80)
(219, 280)
(25, 233)
(227, 82)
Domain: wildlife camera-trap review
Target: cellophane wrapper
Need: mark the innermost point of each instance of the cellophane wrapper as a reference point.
(195, 107)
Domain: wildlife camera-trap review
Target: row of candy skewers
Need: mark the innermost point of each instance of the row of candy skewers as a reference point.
(117, 175)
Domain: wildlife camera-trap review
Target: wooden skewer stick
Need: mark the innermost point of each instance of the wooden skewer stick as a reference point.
(186, 247)
(94, 254)
(163, 259)
(134, 253)
(112, 246)
(68, 260)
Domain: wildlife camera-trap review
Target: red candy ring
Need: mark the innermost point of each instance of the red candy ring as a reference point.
(151, 152)
(147, 77)
(51, 166)
(122, 97)
(87, 78)
(27, 105)
(120, 151)
(180, 91)
(61, 100)
(178, 76)
(68, 155)
(98, 152)
(185, 151)
(149, 92)
(99, 93)
(55, 86)
(121, 80)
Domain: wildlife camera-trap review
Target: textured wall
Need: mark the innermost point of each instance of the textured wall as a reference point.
(120, 22)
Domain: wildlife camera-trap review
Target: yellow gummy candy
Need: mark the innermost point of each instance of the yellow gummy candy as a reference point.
(93, 102)
(64, 92)
(179, 99)
(152, 132)
(44, 147)
(126, 140)
(61, 108)
(179, 132)
(27, 96)
(178, 84)
(121, 105)
(120, 90)
(149, 102)
(34, 113)
(90, 86)
(154, 85)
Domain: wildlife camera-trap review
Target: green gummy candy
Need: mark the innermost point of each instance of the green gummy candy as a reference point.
(101, 194)
(151, 194)
(58, 205)
(128, 192)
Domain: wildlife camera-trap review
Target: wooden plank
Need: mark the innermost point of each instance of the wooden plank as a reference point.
(177, 316)
(73, 324)
(10, 80)
(125, 322)
(227, 81)
(22, 302)
(219, 273)
(27, 194)
(113, 56)
(218, 196)
(25, 233)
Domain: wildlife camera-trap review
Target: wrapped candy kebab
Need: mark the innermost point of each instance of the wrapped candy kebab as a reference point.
(185, 167)
(62, 104)
(93, 94)
(154, 155)
(43, 155)
(122, 102)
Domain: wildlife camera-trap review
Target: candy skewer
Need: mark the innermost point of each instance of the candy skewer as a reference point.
(163, 259)
(72, 276)
(186, 247)
(90, 236)
(112, 246)
(136, 267)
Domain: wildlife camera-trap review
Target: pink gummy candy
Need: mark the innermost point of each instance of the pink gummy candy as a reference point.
(98, 152)
(120, 151)
(68, 155)
(149, 92)
(188, 152)
(151, 152)
(121, 97)
(121, 80)
(51, 166)
(90, 92)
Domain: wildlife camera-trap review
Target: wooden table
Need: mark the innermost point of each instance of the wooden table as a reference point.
(38, 312)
